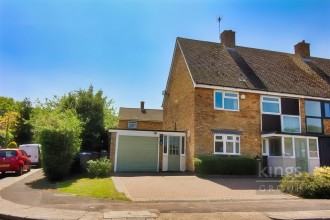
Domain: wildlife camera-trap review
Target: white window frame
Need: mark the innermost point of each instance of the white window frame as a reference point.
(224, 141)
(273, 102)
(165, 139)
(182, 146)
(223, 100)
(292, 116)
(265, 143)
(317, 148)
(130, 123)
(293, 147)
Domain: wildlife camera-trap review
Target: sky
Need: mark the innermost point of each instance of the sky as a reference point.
(125, 48)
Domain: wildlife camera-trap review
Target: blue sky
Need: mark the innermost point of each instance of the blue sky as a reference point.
(125, 47)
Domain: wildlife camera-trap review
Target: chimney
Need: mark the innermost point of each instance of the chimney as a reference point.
(227, 38)
(142, 107)
(302, 49)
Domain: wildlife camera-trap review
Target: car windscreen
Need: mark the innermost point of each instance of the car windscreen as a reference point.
(8, 153)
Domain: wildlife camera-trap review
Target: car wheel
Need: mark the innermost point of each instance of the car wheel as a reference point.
(20, 171)
(29, 168)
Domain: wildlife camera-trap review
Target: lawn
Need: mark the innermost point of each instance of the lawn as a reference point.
(97, 187)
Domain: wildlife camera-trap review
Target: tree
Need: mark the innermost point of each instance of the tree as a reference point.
(23, 133)
(96, 114)
(59, 133)
(7, 105)
(8, 123)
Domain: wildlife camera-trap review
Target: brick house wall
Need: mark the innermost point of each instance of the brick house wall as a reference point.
(247, 120)
(179, 104)
(302, 115)
(142, 125)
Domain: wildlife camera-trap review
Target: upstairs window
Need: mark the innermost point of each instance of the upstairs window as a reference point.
(313, 108)
(132, 124)
(271, 105)
(327, 109)
(290, 124)
(313, 116)
(226, 101)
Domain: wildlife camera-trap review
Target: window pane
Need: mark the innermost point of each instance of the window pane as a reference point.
(270, 99)
(264, 151)
(313, 108)
(291, 124)
(275, 148)
(327, 110)
(218, 137)
(312, 148)
(314, 125)
(230, 95)
(165, 144)
(218, 100)
(270, 107)
(237, 147)
(230, 138)
(218, 147)
(182, 146)
(231, 104)
(288, 149)
(229, 147)
(237, 138)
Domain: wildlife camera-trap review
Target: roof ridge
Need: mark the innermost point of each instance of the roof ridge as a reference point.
(140, 108)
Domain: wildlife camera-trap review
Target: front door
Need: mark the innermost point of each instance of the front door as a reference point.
(301, 154)
(174, 154)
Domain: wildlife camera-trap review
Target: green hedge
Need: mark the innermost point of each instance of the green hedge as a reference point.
(99, 168)
(59, 135)
(225, 165)
(309, 186)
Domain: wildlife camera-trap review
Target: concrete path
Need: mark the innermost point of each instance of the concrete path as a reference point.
(87, 208)
(193, 188)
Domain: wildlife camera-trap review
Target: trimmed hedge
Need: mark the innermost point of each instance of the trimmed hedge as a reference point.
(309, 186)
(225, 165)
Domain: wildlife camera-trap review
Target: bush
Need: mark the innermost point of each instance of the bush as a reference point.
(59, 135)
(99, 168)
(12, 144)
(306, 185)
(225, 165)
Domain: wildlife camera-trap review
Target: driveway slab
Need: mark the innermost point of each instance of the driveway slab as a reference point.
(193, 188)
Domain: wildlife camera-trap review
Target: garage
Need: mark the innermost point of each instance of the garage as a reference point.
(137, 153)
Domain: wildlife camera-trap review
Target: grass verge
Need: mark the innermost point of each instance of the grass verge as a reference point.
(97, 188)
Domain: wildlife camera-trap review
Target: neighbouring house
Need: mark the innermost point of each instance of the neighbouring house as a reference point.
(140, 118)
(223, 99)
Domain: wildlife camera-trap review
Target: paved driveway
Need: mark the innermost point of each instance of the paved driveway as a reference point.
(182, 187)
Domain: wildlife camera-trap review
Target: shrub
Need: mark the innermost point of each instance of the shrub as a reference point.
(310, 186)
(225, 165)
(12, 144)
(59, 135)
(99, 168)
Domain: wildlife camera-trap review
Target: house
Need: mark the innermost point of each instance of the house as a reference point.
(223, 99)
(140, 118)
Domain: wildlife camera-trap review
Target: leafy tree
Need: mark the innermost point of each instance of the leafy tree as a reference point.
(59, 133)
(8, 123)
(96, 114)
(23, 133)
(7, 105)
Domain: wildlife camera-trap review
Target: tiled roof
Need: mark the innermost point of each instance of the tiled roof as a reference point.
(136, 114)
(248, 68)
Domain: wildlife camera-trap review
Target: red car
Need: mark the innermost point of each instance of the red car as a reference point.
(14, 160)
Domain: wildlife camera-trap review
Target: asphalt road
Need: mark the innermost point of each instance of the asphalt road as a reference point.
(34, 191)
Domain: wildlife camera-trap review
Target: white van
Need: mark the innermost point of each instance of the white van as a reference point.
(35, 151)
